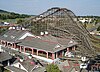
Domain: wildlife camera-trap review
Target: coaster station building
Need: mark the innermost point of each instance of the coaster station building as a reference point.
(46, 47)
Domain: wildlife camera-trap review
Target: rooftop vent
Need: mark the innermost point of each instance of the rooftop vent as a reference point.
(46, 32)
(42, 33)
(57, 46)
(71, 41)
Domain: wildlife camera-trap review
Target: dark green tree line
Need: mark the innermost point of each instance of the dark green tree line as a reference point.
(12, 16)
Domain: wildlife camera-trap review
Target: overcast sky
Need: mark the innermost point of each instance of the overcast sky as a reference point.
(35, 7)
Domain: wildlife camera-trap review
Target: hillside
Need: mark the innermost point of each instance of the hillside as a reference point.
(11, 15)
(2, 11)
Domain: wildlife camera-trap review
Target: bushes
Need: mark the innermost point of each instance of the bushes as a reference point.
(52, 68)
(98, 29)
(11, 15)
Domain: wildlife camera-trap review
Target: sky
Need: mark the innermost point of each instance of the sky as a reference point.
(35, 7)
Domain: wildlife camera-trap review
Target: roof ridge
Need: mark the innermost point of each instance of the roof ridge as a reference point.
(41, 39)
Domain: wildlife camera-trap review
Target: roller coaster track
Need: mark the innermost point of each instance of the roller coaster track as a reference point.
(61, 21)
(38, 18)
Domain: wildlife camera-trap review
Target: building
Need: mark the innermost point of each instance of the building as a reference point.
(10, 37)
(50, 49)
(5, 58)
(45, 47)
(6, 24)
(29, 65)
(85, 20)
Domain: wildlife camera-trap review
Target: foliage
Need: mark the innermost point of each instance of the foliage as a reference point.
(52, 68)
(19, 21)
(98, 20)
(38, 27)
(6, 70)
(89, 16)
(1, 69)
(2, 30)
(98, 29)
(11, 15)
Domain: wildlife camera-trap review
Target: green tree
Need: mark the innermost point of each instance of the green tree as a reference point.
(2, 30)
(98, 29)
(52, 68)
(12, 15)
(36, 28)
(20, 21)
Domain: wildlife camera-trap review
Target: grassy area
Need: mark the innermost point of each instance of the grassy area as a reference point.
(98, 37)
(97, 47)
(3, 70)
(96, 43)
(9, 20)
(89, 26)
(12, 20)
(6, 71)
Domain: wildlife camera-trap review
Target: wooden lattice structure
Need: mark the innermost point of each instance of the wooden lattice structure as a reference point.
(61, 22)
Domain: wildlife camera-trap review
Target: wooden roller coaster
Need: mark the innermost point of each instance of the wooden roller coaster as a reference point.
(61, 22)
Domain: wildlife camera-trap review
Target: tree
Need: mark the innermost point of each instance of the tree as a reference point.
(52, 68)
(98, 29)
(12, 15)
(2, 30)
(20, 21)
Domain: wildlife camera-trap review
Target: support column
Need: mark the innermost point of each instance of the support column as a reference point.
(32, 51)
(56, 54)
(37, 52)
(20, 49)
(67, 49)
(47, 54)
(53, 56)
(14, 45)
(63, 53)
(0, 41)
(7, 44)
(24, 50)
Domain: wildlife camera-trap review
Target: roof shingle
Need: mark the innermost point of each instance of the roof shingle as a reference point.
(12, 35)
(47, 45)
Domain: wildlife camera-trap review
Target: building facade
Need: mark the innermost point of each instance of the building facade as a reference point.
(47, 46)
